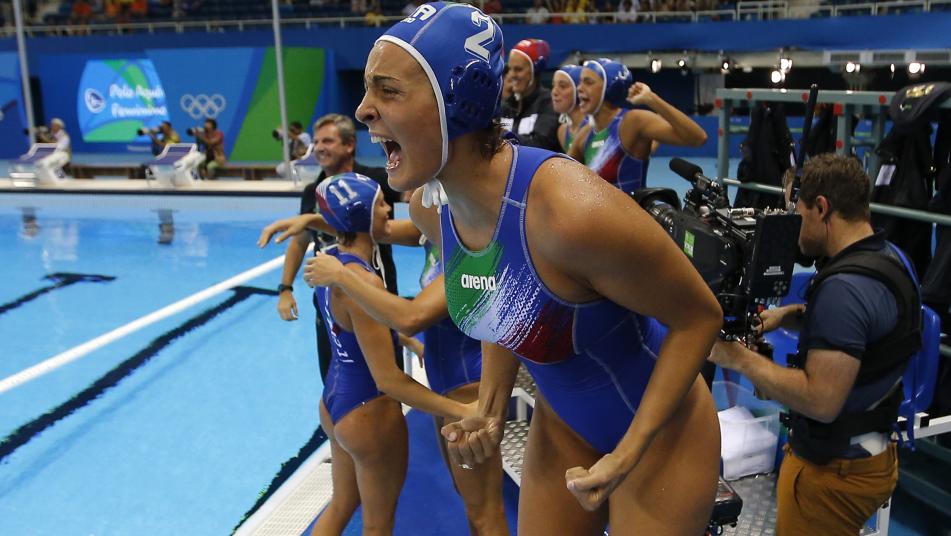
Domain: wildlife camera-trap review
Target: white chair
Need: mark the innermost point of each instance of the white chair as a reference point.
(42, 165)
(177, 165)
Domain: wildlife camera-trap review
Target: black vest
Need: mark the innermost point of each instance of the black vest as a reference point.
(821, 442)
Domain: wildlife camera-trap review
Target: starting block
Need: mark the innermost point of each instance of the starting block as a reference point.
(177, 165)
(42, 165)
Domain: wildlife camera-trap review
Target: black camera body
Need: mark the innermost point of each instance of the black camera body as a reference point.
(191, 131)
(746, 256)
(144, 131)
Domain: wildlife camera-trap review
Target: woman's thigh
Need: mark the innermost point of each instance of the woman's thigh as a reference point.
(545, 505)
(672, 490)
(375, 437)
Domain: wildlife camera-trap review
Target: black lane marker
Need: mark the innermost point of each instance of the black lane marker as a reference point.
(60, 280)
(28, 431)
(287, 469)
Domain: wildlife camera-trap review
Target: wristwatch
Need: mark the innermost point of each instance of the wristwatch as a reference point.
(282, 287)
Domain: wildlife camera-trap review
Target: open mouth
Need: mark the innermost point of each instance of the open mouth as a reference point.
(393, 150)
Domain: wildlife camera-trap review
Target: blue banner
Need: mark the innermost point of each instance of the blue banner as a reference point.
(13, 142)
(117, 98)
(208, 83)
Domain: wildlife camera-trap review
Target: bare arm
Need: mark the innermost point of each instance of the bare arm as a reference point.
(818, 391)
(406, 316)
(475, 439)
(608, 245)
(377, 347)
(292, 226)
(401, 232)
(577, 145)
(666, 124)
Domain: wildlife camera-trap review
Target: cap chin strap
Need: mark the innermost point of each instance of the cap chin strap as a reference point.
(377, 261)
(434, 195)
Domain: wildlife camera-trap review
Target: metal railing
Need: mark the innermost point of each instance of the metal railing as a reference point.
(744, 10)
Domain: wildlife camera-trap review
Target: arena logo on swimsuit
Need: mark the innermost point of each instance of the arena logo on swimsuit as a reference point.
(477, 282)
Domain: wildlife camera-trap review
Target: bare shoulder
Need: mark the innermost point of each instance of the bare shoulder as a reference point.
(425, 219)
(365, 276)
(574, 213)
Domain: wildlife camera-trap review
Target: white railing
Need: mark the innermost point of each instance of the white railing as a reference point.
(745, 10)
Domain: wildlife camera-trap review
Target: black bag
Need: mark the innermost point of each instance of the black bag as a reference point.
(766, 155)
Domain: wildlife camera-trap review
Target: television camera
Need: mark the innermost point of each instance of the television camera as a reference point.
(745, 255)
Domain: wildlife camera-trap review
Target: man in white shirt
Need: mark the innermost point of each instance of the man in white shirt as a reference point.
(537, 14)
(60, 137)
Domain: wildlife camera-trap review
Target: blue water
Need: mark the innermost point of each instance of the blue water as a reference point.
(183, 444)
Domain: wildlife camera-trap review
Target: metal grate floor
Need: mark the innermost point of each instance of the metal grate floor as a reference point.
(758, 517)
(299, 509)
(513, 449)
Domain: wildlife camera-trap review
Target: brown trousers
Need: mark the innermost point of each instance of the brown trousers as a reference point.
(833, 499)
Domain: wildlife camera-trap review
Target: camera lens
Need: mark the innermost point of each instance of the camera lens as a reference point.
(190, 131)
(276, 133)
(142, 131)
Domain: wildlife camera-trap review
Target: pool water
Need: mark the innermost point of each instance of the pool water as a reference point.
(175, 429)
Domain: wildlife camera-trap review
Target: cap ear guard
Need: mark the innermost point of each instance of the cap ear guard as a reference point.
(466, 98)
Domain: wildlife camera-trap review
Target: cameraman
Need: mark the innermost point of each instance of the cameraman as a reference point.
(213, 142)
(161, 137)
(298, 140)
(861, 323)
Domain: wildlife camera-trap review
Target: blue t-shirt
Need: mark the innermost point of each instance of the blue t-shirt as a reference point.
(848, 312)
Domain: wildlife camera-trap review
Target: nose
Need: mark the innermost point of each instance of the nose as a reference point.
(366, 112)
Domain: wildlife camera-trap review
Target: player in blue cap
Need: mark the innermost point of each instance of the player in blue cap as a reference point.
(618, 143)
(564, 100)
(549, 265)
(363, 388)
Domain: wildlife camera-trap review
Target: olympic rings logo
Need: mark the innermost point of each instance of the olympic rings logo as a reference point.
(201, 105)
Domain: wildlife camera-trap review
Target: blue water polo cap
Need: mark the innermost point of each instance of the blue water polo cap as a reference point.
(574, 74)
(617, 80)
(346, 202)
(460, 49)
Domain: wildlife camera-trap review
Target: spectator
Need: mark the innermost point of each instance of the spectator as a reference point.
(537, 14)
(139, 9)
(298, 140)
(492, 7)
(374, 16)
(162, 136)
(626, 12)
(576, 10)
(358, 7)
(81, 13)
(212, 141)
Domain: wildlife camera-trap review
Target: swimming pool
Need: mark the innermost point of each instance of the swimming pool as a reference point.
(174, 429)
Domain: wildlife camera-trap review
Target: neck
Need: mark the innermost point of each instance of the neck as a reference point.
(576, 116)
(362, 246)
(605, 115)
(344, 167)
(843, 234)
(475, 185)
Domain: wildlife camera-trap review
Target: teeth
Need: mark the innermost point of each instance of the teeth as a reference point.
(379, 139)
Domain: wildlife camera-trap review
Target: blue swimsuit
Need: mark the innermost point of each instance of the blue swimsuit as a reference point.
(349, 383)
(605, 155)
(591, 361)
(452, 358)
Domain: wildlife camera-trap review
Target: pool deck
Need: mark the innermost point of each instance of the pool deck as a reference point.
(275, 188)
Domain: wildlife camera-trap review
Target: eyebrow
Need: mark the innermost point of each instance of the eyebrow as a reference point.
(381, 78)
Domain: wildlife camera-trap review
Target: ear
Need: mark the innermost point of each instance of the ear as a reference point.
(824, 207)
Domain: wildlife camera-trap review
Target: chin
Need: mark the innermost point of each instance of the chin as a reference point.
(401, 181)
